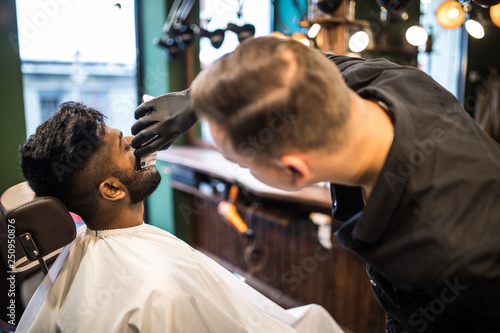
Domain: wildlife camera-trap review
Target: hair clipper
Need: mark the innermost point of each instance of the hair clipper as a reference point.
(145, 163)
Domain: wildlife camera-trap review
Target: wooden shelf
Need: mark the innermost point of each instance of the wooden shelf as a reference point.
(336, 30)
(333, 20)
(333, 35)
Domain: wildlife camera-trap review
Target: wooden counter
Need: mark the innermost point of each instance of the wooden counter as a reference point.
(214, 164)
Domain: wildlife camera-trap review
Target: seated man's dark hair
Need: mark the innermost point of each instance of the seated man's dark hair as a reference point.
(66, 156)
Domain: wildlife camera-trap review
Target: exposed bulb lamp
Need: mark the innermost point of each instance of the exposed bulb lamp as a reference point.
(300, 37)
(474, 28)
(450, 14)
(495, 15)
(314, 30)
(416, 35)
(359, 41)
(277, 34)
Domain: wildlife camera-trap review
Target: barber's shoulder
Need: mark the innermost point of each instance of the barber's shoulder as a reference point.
(343, 62)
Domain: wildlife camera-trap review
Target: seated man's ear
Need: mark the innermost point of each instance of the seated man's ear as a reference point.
(112, 189)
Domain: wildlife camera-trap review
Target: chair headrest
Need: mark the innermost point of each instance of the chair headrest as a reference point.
(42, 224)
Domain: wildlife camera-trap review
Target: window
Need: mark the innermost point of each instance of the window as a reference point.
(78, 50)
(216, 14)
(49, 101)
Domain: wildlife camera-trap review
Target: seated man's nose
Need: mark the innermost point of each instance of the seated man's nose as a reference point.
(129, 138)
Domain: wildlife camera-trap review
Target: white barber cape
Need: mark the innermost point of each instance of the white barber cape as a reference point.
(143, 279)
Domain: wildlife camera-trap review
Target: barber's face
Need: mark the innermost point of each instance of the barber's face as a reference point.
(140, 185)
(272, 173)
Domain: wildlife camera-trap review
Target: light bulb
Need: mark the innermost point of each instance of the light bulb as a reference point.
(416, 35)
(453, 13)
(359, 41)
(313, 30)
(495, 14)
(450, 14)
(300, 37)
(475, 29)
(277, 34)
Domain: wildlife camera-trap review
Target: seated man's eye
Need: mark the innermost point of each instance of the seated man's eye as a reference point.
(128, 147)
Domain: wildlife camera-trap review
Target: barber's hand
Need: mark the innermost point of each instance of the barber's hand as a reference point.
(161, 121)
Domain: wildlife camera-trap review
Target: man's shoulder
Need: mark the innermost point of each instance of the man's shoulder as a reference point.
(356, 63)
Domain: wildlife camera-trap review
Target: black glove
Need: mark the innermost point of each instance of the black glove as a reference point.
(161, 121)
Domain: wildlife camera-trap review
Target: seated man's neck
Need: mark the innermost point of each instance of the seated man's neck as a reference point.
(117, 217)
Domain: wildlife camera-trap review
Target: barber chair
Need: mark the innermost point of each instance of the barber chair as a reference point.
(33, 230)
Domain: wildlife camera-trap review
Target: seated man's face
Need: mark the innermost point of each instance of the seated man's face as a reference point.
(139, 184)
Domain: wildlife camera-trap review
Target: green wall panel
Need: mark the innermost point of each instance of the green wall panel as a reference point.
(159, 204)
(12, 124)
(153, 66)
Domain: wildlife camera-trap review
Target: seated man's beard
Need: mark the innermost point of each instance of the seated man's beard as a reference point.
(140, 185)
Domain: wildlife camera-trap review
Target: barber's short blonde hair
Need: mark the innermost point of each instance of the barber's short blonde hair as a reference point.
(273, 96)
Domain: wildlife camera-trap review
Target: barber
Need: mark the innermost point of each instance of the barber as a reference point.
(424, 205)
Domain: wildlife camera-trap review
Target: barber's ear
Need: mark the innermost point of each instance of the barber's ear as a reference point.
(112, 189)
(298, 169)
